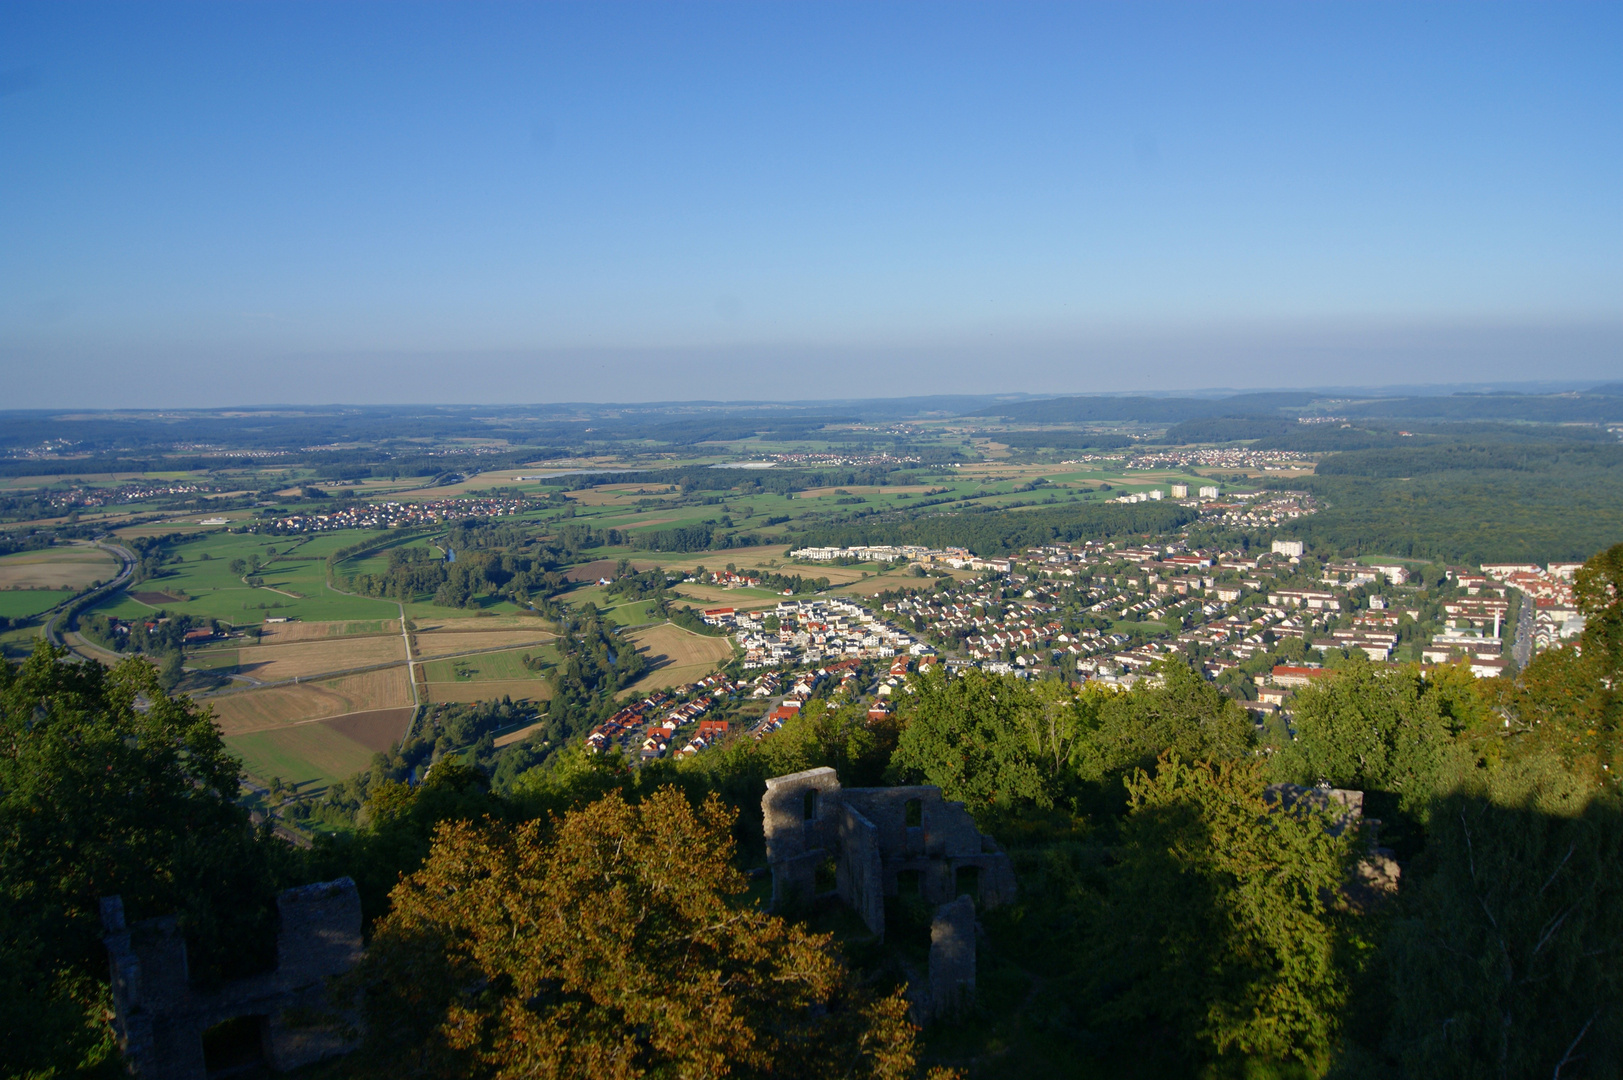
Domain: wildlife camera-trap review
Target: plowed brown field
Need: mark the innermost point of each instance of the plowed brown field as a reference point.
(378, 729)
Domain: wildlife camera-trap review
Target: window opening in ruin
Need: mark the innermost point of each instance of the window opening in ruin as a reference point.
(967, 881)
(809, 804)
(236, 1049)
(915, 813)
(828, 876)
(909, 883)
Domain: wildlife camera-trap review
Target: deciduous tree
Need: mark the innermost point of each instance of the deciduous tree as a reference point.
(611, 943)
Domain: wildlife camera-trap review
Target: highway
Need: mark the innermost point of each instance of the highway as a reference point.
(53, 626)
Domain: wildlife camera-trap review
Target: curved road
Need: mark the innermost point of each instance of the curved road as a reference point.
(53, 632)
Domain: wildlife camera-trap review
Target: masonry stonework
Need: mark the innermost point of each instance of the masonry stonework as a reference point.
(877, 838)
(160, 1018)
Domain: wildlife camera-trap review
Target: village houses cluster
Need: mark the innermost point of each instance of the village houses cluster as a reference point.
(1105, 612)
(395, 515)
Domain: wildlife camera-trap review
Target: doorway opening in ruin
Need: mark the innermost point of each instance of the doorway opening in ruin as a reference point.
(827, 878)
(967, 882)
(235, 1049)
(909, 883)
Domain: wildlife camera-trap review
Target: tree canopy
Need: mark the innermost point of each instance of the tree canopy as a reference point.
(610, 943)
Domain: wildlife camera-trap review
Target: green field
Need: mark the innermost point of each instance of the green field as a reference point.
(303, 754)
(486, 667)
(294, 587)
(26, 603)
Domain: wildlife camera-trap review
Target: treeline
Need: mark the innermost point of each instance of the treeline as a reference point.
(1567, 457)
(690, 538)
(502, 560)
(1002, 532)
(12, 543)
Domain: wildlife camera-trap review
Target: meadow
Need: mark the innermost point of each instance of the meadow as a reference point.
(309, 757)
(200, 583)
(26, 603)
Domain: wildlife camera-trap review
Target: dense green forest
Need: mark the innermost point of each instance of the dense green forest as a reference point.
(1177, 915)
(1467, 504)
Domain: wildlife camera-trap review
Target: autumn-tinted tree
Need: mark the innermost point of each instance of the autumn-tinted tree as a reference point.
(613, 942)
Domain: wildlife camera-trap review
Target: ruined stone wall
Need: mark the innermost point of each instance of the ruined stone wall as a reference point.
(160, 1018)
(796, 844)
(868, 834)
(952, 959)
(860, 868)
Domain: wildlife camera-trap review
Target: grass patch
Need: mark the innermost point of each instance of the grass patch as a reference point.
(503, 666)
(306, 754)
(26, 603)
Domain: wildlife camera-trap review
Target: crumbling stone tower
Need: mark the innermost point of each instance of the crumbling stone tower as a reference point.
(876, 838)
(160, 1018)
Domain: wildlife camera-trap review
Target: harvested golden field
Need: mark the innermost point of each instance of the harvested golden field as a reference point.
(59, 567)
(278, 706)
(489, 690)
(878, 583)
(677, 656)
(443, 643)
(520, 735)
(291, 632)
(449, 625)
(715, 596)
(268, 663)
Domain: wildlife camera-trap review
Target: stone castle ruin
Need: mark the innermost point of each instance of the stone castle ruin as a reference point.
(864, 844)
(161, 1019)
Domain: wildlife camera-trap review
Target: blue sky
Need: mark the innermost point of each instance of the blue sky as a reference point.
(239, 203)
